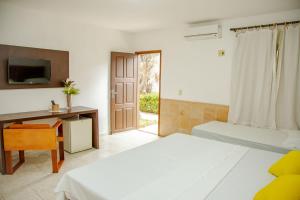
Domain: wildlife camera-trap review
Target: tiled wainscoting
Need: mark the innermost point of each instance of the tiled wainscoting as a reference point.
(181, 116)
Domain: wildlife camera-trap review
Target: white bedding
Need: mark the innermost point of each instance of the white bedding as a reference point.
(280, 141)
(173, 168)
(247, 177)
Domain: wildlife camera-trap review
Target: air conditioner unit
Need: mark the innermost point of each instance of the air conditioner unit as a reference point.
(203, 32)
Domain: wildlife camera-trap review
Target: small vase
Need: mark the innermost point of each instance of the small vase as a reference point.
(69, 101)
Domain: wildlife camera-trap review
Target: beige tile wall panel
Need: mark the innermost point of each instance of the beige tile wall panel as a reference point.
(182, 116)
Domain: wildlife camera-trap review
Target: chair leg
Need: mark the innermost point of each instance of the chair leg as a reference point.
(10, 169)
(8, 161)
(22, 156)
(54, 161)
(56, 165)
(61, 150)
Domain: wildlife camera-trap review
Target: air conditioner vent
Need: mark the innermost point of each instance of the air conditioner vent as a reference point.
(204, 32)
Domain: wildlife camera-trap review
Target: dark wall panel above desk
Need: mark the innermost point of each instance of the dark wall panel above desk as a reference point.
(59, 65)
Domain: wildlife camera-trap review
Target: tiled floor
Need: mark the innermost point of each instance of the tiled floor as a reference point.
(34, 180)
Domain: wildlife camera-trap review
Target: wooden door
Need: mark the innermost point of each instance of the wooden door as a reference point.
(123, 91)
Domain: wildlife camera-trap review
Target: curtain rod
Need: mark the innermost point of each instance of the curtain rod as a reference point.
(265, 25)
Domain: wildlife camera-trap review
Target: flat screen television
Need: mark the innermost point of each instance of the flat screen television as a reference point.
(28, 71)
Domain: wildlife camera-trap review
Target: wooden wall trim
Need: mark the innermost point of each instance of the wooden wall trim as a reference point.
(59, 65)
(182, 116)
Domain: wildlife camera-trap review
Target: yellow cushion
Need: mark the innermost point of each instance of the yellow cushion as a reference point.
(282, 188)
(288, 164)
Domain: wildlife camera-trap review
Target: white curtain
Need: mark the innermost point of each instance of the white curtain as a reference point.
(288, 98)
(253, 88)
(265, 88)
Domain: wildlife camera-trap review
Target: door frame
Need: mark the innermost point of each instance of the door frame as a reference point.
(159, 93)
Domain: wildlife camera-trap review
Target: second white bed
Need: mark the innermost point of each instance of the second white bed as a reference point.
(281, 141)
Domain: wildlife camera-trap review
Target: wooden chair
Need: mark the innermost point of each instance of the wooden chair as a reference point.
(21, 137)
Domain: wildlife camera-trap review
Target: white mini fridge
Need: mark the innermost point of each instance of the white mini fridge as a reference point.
(77, 134)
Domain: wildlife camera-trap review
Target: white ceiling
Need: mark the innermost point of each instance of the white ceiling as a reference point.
(139, 15)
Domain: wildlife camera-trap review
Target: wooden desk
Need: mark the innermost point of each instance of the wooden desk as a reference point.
(44, 114)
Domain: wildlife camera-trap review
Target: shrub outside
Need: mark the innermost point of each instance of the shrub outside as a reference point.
(149, 102)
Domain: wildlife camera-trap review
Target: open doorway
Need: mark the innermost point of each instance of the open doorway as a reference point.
(148, 94)
(128, 95)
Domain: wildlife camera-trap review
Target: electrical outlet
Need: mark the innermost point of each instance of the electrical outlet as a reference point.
(180, 92)
(221, 52)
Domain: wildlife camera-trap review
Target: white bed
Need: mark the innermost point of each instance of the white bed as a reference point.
(280, 141)
(173, 168)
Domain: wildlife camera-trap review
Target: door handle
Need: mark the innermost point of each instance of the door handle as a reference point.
(113, 93)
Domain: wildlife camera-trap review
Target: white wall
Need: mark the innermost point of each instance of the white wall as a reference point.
(193, 66)
(89, 48)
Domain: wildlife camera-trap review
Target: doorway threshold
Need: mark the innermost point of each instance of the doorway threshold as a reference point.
(152, 129)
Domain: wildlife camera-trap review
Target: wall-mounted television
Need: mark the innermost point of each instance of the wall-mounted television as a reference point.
(28, 71)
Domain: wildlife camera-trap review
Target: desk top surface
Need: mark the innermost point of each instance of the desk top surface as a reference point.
(11, 117)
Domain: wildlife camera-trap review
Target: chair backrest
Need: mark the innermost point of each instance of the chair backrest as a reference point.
(29, 137)
(28, 126)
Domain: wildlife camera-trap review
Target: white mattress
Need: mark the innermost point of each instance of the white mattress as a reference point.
(280, 141)
(173, 168)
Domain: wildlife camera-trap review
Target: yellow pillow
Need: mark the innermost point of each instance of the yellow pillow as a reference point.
(282, 188)
(288, 164)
